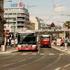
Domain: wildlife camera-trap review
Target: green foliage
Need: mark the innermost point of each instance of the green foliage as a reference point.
(67, 24)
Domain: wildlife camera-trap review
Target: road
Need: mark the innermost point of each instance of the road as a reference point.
(48, 59)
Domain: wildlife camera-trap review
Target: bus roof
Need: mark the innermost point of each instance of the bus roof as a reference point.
(45, 35)
(27, 31)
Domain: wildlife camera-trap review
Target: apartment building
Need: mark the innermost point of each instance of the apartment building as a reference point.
(16, 18)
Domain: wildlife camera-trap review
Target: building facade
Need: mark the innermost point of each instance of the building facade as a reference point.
(16, 18)
(38, 23)
(34, 25)
(1, 8)
(1, 21)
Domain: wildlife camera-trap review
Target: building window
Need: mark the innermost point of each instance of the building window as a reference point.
(14, 13)
(20, 26)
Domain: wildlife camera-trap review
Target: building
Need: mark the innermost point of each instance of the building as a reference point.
(16, 17)
(34, 25)
(37, 23)
(41, 23)
(1, 21)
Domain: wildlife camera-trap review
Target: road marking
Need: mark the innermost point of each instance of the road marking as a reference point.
(66, 65)
(34, 54)
(29, 54)
(62, 54)
(24, 53)
(63, 68)
(58, 68)
(51, 54)
(42, 54)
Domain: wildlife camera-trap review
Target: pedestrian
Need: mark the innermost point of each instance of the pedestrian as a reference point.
(7, 42)
(16, 41)
(12, 42)
(66, 43)
(62, 41)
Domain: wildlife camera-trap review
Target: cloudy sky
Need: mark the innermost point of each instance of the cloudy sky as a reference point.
(49, 10)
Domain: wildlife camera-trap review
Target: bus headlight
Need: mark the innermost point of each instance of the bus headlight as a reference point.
(19, 45)
(33, 46)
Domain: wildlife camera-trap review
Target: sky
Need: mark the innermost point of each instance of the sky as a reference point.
(56, 11)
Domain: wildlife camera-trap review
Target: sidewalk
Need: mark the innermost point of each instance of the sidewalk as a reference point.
(8, 50)
(62, 49)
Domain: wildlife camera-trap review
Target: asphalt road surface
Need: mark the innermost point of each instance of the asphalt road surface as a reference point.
(47, 59)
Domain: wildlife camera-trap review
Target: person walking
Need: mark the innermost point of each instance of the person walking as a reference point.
(12, 42)
(62, 41)
(66, 43)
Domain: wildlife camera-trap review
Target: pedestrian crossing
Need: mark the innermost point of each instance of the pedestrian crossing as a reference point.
(36, 53)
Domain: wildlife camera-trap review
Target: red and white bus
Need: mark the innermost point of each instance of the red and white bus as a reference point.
(27, 41)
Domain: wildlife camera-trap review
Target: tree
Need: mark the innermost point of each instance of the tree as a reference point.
(67, 24)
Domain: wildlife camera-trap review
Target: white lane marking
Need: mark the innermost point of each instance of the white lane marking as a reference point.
(66, 65)
(24, 53)
(62, 54)
(58, 68)
(34, 54)
(62, 68)
(29, 54)
(51, 54)
(42, 54)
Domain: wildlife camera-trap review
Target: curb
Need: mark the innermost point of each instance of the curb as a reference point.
(60, 49)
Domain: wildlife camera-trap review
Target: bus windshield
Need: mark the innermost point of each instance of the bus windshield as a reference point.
(26, 38)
